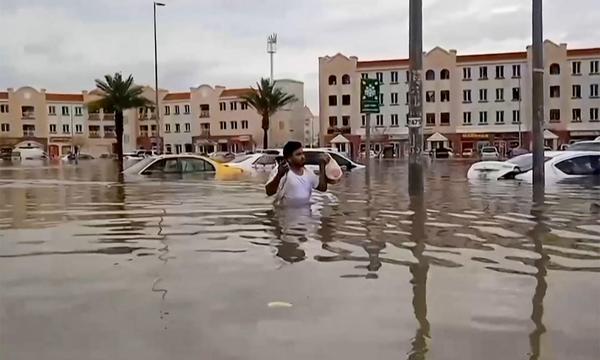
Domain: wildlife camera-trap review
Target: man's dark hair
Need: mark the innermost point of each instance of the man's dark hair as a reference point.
(290, 147)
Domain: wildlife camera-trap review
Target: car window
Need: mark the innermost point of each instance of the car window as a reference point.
(581, 165)
(341, 161)
(193, 165)
(589, 146)
(166, 166)
(266, 160)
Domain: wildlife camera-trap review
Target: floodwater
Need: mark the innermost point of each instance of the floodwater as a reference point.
(192, 268)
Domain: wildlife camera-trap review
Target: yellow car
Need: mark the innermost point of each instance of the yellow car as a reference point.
(184, 164)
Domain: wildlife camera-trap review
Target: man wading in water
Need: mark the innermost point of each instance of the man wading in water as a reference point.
(291, 181)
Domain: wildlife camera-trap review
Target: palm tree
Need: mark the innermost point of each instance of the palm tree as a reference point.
(267, 99)
(117, 96)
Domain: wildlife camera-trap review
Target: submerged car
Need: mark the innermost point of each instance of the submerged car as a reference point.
(180, 164)
(558, 165)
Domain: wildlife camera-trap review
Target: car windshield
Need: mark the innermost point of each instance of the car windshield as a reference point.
(488, 150)
(585, 146)
(138, 166)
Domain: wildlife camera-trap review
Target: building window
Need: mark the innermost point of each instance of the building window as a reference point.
(51, 110)
(394, 98)
(407, 76)
(466, 96)
(445, 96)
(177, 128)
(594, 90)
(143, 129)
(27, 112)
(346, 79)
(499, 71)
(483, 75)
(407, 97)
(233, 125)
(554, 115)
(65, 111)
(333, 121)
(188, 127)
(516, 117)
(430, 75)
(555, 69)
(430, 96)
(186, 109)
(222, 106)
(380, 77)
(332, 100)
(430, 119)
(363, 121)
(233, 105)
(244, 105)
(445, 119)
(167, 110)
(467, 118)
(516, 71)
(178, 149)
(4, 108)
(66, 129)
(177, 110)
(381, 96)
(346, 100)
(379, 120)
(483, 95)
(364, 76)
(244, 124)
(483, 117)
(576, 66)
(516, 94)
(223, 125)
(394, 77)
(29, 130)
(593, 114)
(594, 67)
(499, 94)
(394, 120)
(52, 128)
(500, 117)
(5, 127)
(167, 128)
(79, 128)
(554, 91)
(204, 110)
(332, 80)
(467, 73)
(78, 111)
(576, 91)
(168, 148)
(576, 115)
(445, 74)
(345, 120)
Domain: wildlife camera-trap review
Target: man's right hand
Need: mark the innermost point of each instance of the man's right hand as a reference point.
(283, 168)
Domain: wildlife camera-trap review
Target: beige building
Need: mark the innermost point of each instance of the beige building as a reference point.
(468, 100)
(205, 119)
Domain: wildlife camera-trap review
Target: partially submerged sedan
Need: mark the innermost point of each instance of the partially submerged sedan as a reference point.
(180, 164)
(559, 165)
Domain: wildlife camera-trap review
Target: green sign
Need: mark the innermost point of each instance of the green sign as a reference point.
(369, 96)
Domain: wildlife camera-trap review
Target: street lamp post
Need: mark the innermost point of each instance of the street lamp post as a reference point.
(272, 49)
(157, 108)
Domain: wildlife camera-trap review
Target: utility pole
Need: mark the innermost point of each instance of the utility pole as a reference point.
(538, 98)
(415, 94)
(367, 138)
(159, 146)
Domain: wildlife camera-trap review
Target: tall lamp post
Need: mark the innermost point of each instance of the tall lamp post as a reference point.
(156, 109)
(538, 99)
(415, 93)
(272, 49)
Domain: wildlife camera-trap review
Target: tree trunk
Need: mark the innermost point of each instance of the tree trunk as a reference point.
(265, 127)
(119, 135)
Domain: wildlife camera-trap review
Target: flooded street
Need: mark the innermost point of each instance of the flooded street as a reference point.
(194, 268)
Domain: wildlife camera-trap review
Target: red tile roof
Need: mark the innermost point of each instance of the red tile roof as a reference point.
(3, 95)
(64, 97)
(521, 55)
(584, 52)
(382, 63)
(236, 92)
(177, 96)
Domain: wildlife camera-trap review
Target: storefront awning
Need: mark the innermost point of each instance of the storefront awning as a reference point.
(437, 137)
(549, 135)
(340, 139)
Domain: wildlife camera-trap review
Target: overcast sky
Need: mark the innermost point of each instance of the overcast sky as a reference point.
(62, 45)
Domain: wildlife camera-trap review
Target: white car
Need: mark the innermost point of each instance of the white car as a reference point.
(566, 165)
(585, 146)
(490, 153)
(80, 156)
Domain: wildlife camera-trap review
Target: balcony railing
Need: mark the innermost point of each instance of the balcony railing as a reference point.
(204, 114)
(29, 133)
(109, 135)
(28, 116)
(109, 116)
(93, 116)
(94, 135)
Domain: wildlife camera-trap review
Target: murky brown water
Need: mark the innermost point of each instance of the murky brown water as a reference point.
(185, 269)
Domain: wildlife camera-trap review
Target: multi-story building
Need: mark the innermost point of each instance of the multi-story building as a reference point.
(468, 100)
(205, 119)
(311, 129)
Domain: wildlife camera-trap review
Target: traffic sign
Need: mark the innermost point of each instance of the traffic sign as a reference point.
(369, 96)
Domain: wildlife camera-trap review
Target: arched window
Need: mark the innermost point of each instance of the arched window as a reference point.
(332, 80)
(555, 69)
(346, 79)
(445, 74)
(430, 75)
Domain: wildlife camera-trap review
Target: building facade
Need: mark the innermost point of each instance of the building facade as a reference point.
(205, 119)
(469, 101)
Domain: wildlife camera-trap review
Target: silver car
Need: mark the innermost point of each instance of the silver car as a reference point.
(490, 153)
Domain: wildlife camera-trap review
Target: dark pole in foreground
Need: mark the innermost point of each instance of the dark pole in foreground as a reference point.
(159, 146)
(538, 98)
(415, 110)
(368, 138)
